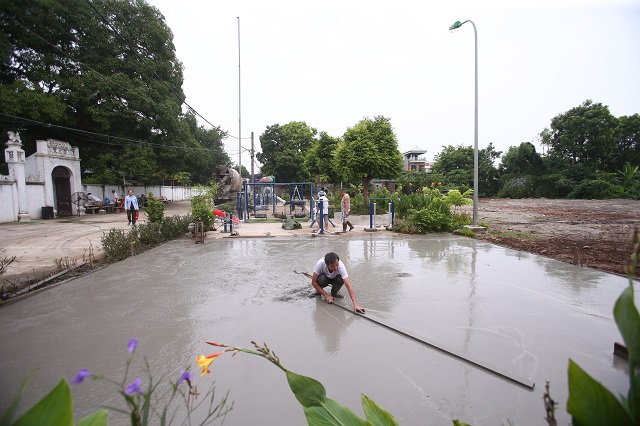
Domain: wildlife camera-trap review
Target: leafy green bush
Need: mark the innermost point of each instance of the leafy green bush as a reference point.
(457, 200)
(405, 226)
(148, 235)
(595, 189)
(175, 226)
(553, 186)
(414, 201)
(632, 191)
(431, 219)
(357, 205)
(226, 207)
(116, 244)
(154, 209)
(517, 187)
(201, 210)
(466, 232)
(458, 220)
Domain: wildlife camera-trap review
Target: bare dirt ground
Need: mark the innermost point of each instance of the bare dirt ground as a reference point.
(591, 233)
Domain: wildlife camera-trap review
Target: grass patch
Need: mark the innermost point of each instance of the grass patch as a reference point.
(466, 232)
(515, 235)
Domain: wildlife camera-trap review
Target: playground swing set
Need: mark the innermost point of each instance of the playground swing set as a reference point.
(260, 198)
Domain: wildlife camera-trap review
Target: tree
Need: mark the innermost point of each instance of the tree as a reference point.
(522, 160)
(284, 149)
(456, 165)
(319, 161)
(628, 137)
(105, 77)
(369, 150)
(584, 135)
(245, 173)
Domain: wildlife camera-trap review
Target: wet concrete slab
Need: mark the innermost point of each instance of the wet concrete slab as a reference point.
(525, 314)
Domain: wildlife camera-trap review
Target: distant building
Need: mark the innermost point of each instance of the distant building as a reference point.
(390, 184)
(415, 160)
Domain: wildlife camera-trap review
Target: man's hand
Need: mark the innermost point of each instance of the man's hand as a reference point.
(329, 299)
(358, 309)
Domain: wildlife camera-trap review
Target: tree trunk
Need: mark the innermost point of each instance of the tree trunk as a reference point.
(365, 191)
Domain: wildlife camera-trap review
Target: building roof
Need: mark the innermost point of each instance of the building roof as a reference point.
(415, 150)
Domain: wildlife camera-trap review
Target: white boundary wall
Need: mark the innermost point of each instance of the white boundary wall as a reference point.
(36, 196)
(173, 193)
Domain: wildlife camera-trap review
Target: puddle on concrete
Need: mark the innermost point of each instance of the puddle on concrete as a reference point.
(522, 313)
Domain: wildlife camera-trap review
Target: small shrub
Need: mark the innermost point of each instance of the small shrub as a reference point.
(431, 220)
(116, 244)
(226, 207)
(175, 226)
(520, 187)
(466, 232)
(415, 201)
(553, 186)
(458, 220)
(201, 210)
(154, 209)
(594, 189)
(457, 200)
(149, 235)
(405, 226)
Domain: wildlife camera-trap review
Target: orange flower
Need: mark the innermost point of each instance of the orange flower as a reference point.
(205, 361)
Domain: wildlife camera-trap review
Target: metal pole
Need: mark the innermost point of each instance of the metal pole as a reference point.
(475, 138)
(253, 176)
(239, 110)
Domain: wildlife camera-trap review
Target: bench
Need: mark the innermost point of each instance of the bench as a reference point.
(260, 215)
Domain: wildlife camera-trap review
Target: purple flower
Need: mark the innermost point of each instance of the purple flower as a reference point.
(133, 344)
(82, 374)
(134, 387)
(185, 376)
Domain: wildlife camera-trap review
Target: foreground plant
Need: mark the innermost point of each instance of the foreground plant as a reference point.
(318, 409)
(144, 404)
(590, 403)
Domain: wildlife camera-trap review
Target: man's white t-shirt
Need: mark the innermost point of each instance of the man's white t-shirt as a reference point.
(325, 204)
(321, 268)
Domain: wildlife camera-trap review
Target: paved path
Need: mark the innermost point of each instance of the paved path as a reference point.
(38, 244)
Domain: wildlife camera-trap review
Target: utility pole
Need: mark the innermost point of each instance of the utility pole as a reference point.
(253, 176)
(239, 110)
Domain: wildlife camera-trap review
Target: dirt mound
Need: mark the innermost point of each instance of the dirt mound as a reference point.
(593, 233)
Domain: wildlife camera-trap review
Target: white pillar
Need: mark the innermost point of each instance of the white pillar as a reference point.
(14, 156)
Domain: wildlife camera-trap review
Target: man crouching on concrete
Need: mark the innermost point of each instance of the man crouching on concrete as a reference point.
(331, 271)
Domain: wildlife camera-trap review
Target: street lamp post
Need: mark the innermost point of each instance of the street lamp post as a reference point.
(454, 27)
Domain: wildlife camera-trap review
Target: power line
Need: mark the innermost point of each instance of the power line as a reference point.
(109, 137)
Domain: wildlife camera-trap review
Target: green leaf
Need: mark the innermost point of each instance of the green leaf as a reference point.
(99, 418)
(590, 403)
(628, 321)
(330, 413)
(309, 392)
(376, 414)
(459, 423)
(55, 409)
(7, 417)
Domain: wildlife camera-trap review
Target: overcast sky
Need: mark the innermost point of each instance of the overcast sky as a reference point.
(331, 63)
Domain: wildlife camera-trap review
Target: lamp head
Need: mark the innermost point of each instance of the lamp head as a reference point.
(455, 26)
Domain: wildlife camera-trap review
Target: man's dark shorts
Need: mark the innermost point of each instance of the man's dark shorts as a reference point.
(335, 283)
